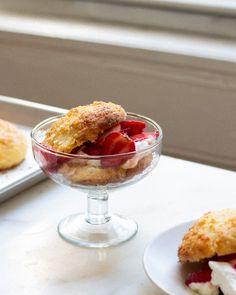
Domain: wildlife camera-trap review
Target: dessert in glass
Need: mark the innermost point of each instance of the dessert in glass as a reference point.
(97, 148)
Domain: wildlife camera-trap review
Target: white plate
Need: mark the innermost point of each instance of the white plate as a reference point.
(161, 261)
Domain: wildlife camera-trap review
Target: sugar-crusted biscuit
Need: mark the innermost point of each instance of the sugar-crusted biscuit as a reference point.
(82, 124)
(12, 145)
(213, 234)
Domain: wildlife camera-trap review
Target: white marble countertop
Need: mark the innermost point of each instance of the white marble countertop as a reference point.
(35, 260)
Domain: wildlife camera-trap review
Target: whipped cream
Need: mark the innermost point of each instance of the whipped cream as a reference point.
(139, 146)
(143, 144)
(205, 288)
(224, 276)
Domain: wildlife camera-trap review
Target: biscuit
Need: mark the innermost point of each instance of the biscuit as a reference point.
(12, 145)
(82, 124)
(213, 234)
(91, 175)
(84, 174)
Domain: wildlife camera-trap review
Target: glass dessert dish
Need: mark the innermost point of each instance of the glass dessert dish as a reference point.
(96, 175)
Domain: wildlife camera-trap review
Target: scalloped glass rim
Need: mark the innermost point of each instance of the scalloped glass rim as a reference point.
(152, 122)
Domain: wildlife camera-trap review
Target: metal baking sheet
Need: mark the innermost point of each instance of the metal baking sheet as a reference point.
(25, 115)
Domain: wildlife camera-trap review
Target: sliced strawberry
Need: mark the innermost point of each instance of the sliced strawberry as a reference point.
(116, 143)
(202, 276)
(145, 135)
(102, 137)
(233, 263)
(92, 149)
(49, 161)
(132, 127)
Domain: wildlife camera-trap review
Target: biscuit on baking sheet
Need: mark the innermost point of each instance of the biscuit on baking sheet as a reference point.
(82, 124)
(12, 145)
(213, 234)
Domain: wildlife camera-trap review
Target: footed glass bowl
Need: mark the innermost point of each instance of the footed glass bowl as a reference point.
(97, 175)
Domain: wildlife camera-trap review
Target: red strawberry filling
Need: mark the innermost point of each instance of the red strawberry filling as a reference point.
(145, 135)
(102, 137)
(49, 160)
(225, 258)
(202, 276)
(111, 143)
(233, 263)
(116, 140)
(92, 149)
(132, 127)
(116, 143)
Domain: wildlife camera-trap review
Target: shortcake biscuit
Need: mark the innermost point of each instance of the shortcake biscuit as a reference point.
(82, 124)
(86, 174)
(213, 234)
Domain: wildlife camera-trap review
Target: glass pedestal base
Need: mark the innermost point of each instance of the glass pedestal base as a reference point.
(76, 230)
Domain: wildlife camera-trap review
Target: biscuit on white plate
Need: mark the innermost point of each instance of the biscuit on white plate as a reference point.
(213, 234)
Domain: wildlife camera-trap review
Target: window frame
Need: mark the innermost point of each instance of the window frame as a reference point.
(227, 7)
(190, 16)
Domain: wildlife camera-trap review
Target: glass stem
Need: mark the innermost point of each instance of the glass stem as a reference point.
(97, 208)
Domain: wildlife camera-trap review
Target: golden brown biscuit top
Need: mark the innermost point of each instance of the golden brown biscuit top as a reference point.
(12, 145)
(82, 124)
(8, 133)
(213, 234)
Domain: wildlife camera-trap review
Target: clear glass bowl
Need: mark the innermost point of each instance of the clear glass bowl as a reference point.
(96, 175)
